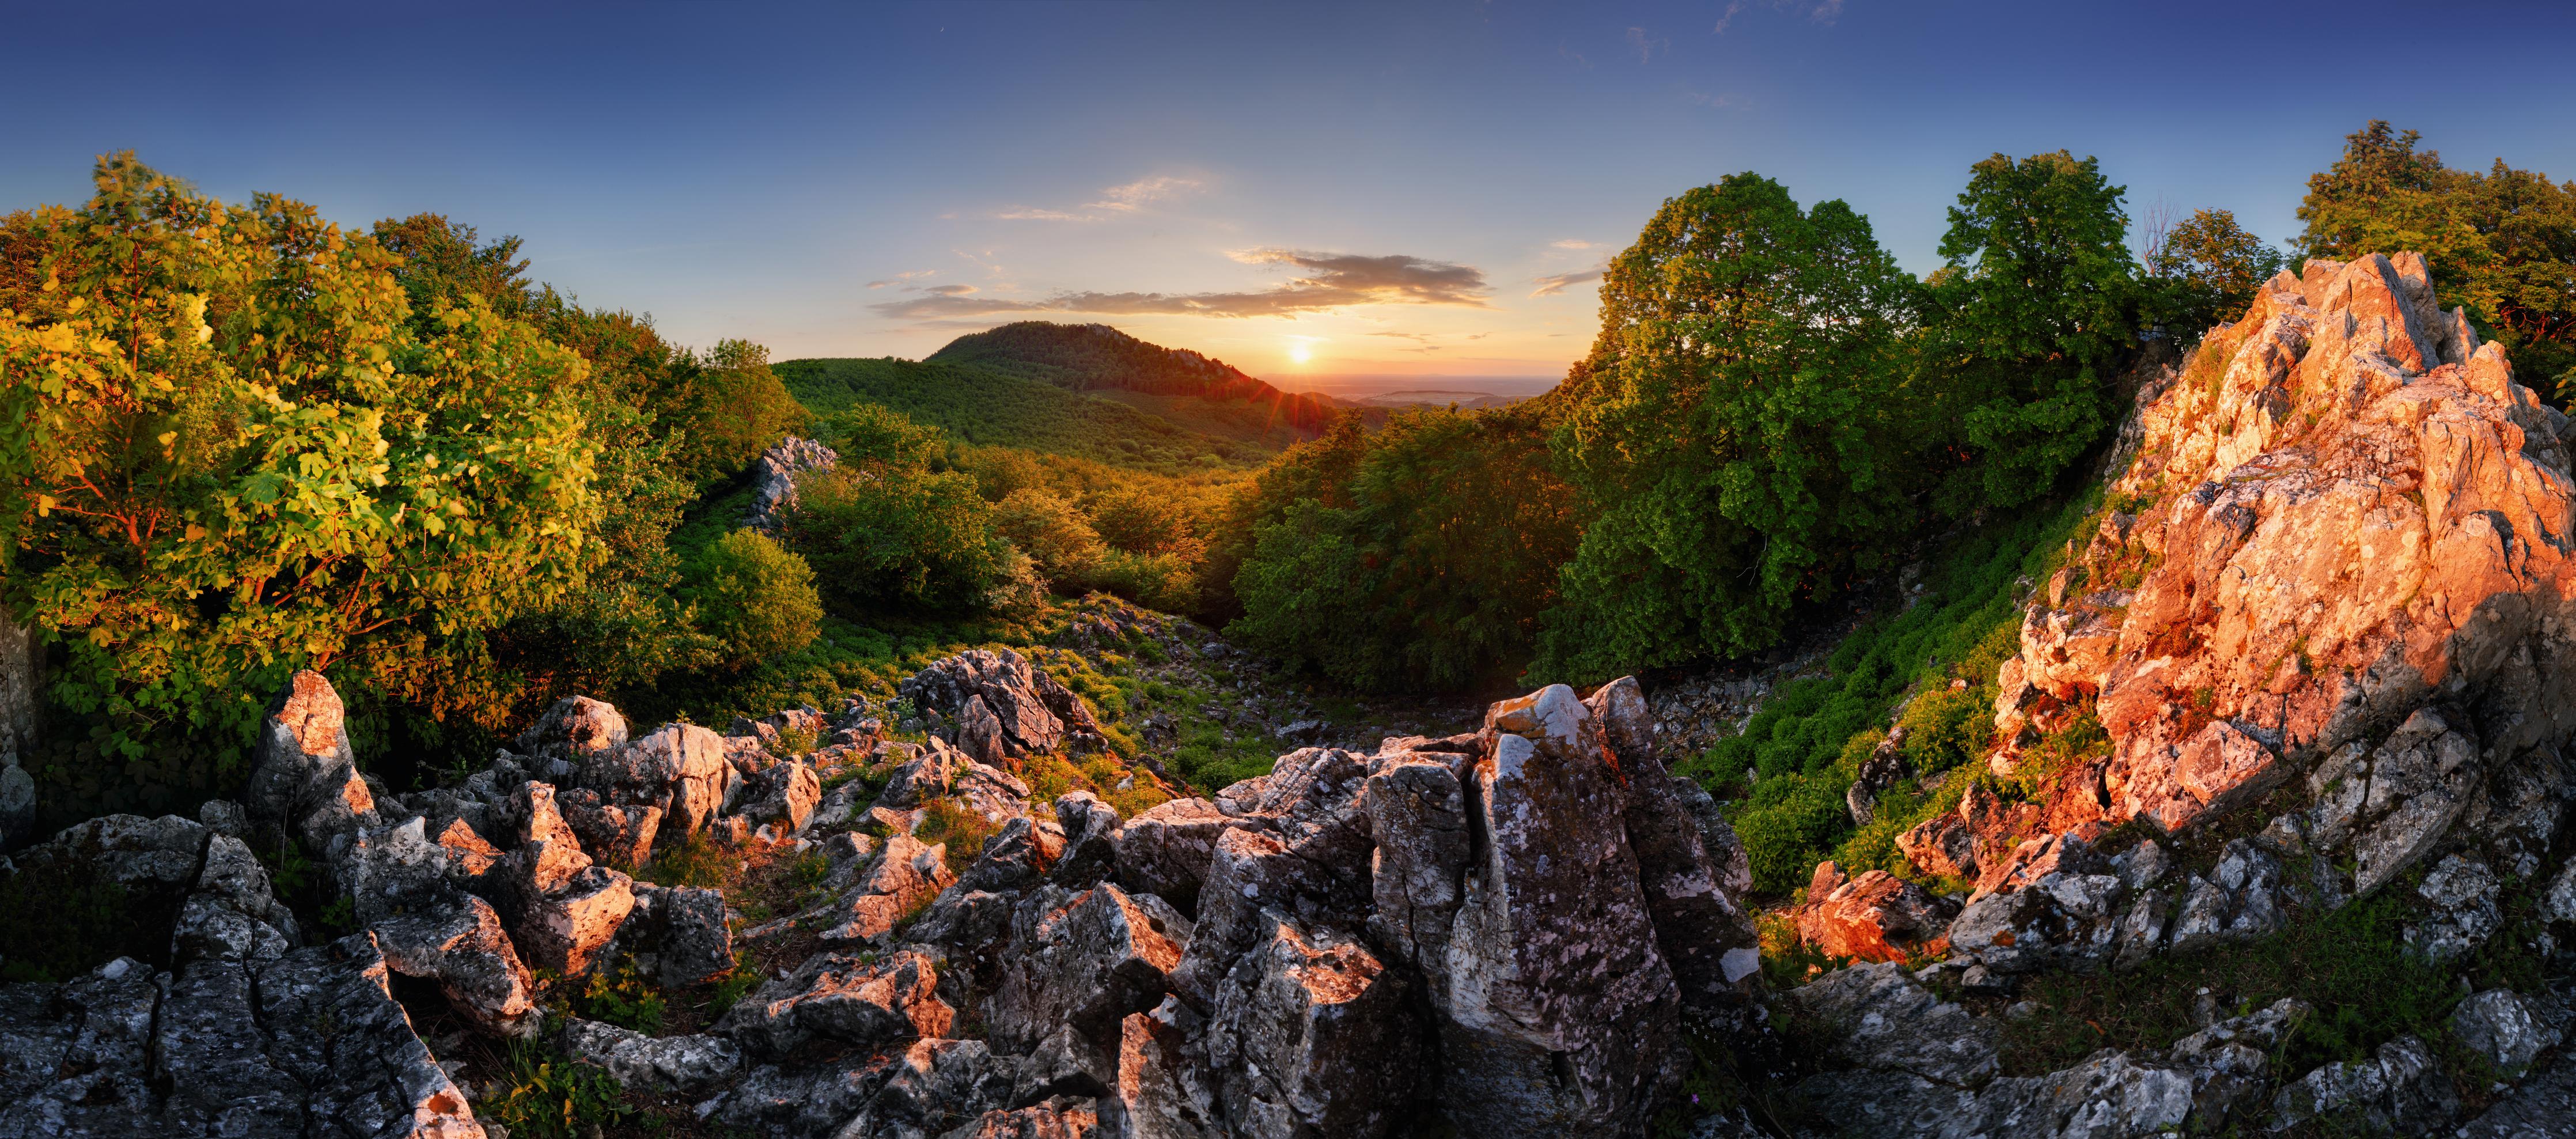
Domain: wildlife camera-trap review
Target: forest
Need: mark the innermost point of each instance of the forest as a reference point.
(242, 440)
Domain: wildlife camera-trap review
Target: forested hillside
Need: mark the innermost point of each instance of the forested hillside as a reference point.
(977, 405)
(1096, 357)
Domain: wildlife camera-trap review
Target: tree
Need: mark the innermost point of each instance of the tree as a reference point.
(232, 452)
(1735, 423)
(2036, 306)
(2501, 244)
(883, 529)
(731, 408)
(1053, 533)
(2209, 267)
(755, 597)
(1426, 567)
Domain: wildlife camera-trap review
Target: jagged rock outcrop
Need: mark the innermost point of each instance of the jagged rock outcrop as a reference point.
(774, 476)
(240, 1033)
(998, 709)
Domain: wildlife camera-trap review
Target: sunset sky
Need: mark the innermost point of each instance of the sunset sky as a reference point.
(1303, 190)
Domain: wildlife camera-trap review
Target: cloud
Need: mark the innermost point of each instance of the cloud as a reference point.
(1025, 213)
(1141, 193)
(903, 277)
(1555, 283)
(1720, 102)
(1821, 11)
(1572, 243)
(1646, 44)
(1328, 281)
(950, 290)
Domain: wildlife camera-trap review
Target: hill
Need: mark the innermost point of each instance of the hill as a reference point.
(989, 408)
(1098, 358)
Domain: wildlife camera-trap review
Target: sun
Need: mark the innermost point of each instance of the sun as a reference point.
(1299, 353)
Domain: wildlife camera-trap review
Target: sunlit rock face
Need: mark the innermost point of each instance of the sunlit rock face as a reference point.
(2348, 514)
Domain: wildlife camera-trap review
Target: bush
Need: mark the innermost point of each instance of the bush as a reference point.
(884, 529)
(755, 597)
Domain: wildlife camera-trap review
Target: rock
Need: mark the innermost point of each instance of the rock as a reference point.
(565, 929)
(1707, 940)
(617, 835)
(2559, 904)
(1875, 917)
(1006, 709)
(901, 882)
(695, 942)
(785, 793)
(1084, 961)
(1418, 819)
(1165, 851)
(1062, 1117)
(684, 1064)
(775, 474)
(850, 999)
(931, 1085)
(1164, 1091)
(2499, 1026)
(1940, 845)
(1311, 1036)
(2461, 893)
(924, 777)
(680, 768)
(1016, 858)
(2402, 1089)
(1717, 836)
(2538, 1107)
(1561, 1013)
(572, 731)
(1884, 1019)
(996, 794)
(303, 776)
(461, 946)
(1090, 840)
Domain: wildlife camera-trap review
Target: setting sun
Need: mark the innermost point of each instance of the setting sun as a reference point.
(1299, 353)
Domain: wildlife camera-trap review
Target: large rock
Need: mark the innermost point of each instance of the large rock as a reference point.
(855, 1000)
(680, 768)
(903, 880)
(1874, 917)
(1166, 850)
(774, 478)
(304, 776)
(460, 944)
(1005, 709)
(684, 1064)
(571, 732)
(1083, 961)
(1561, 1014)
(1311, 1035)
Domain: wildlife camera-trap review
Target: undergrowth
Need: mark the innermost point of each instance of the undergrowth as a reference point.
(547, 1096)
(1805, 746)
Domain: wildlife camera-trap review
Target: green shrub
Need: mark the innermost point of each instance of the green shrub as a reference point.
(550, 1097)
(625, 999)
(755, 596)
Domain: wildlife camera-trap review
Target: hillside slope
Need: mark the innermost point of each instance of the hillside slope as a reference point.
(989, 408)
(1096, 357)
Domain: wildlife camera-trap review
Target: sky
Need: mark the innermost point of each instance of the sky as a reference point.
(1422, 193)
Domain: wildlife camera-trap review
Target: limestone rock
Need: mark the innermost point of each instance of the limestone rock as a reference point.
(1165, 851)
(1311, 1036)
(1090, 830)
(775, 474)
(785, 794)
(680, 768)
(1940, 845)
(683, 1064)
(1083, 960)
(462, 946)
(2499, 1025)
(1006, 709)
(572, 731)
(1874, 917)
(898, 884)
(849, 999)
(304, 776)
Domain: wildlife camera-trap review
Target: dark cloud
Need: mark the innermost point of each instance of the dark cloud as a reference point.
(1329, 281)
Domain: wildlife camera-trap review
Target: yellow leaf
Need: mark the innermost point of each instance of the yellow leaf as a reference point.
(167, 437)
(44, 505)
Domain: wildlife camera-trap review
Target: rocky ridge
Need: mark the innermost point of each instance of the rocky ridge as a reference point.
(2325, 626)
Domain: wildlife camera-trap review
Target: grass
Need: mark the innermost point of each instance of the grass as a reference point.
(948, 820)
(623, 998)
(1807, 742)
(695, 861)
(2352, 965)
(550, 1097)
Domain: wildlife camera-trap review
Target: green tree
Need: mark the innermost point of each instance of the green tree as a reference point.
(232, 453)
(1053, 533)
(2035, 308)
(755, 597)
(1426, 566)
(2500, 243)
(2209, 267)
(730, 410)
(1735, 425)
(883, 528)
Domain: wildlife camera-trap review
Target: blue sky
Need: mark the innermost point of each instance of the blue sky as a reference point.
(1305, 190)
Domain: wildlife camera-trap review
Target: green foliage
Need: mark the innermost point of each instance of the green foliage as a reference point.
(960, 826)
(695, 861)
(1807, 742)
(1419, 556)
(235, 453)
(2354, 965)
(736, 984)
(550, 1097)
(1739, 420)
(2208, 268)
(884, 529)
(755, 597)
(987, 408)
(626, 999)
(2501, 243)
(2037, 305)
(731, 409)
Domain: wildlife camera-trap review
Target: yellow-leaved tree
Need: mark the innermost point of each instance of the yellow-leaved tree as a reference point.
(229, 453)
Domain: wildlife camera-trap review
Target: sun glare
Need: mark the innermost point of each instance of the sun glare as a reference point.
(1298, 352)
